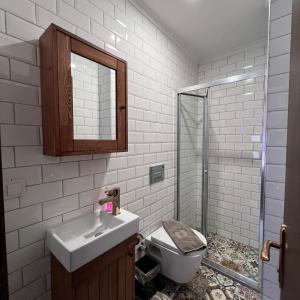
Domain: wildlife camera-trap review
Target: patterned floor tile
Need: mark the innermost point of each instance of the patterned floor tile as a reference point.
(217, 294)
(234, 255)
(230, 288)
(206, 285)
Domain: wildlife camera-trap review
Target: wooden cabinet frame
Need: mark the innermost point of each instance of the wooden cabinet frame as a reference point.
(56, 46)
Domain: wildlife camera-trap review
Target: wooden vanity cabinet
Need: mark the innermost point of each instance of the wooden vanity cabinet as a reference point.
(108, 277)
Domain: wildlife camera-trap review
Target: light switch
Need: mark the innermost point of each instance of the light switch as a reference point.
(15, 188)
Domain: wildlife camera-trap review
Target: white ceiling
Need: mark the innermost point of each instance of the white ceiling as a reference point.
(212, 28)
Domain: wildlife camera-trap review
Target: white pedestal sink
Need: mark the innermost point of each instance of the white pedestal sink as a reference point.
(79, 241)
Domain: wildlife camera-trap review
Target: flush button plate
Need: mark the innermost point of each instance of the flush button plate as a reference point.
(157, 174)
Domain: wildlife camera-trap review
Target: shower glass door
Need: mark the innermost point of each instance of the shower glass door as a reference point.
(220, 170)
(191, 125)
(234, 155)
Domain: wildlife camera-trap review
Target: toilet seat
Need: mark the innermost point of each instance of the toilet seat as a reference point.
(161, 237)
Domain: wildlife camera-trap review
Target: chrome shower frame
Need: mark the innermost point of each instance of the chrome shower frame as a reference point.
(189, 92)
(205, 127)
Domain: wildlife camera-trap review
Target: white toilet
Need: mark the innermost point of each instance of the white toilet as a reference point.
(174, 265)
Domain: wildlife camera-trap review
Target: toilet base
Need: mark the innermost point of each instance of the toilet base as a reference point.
(173, 264)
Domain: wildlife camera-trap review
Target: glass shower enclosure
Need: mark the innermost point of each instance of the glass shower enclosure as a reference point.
(220, 168)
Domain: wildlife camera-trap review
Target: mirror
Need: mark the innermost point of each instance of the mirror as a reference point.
(94, 99)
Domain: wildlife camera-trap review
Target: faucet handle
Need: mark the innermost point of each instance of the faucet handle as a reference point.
(113, 192)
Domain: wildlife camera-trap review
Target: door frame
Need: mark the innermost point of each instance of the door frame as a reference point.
(3, 264)
(291, 245)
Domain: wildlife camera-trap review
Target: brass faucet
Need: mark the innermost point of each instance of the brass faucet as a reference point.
(114, 197)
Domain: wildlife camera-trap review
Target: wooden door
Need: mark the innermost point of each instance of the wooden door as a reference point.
(3, 267)
(291, 253)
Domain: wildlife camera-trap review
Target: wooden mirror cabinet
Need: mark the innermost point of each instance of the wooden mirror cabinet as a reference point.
(84, 96)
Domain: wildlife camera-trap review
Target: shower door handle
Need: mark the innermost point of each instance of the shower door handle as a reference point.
(265, 252)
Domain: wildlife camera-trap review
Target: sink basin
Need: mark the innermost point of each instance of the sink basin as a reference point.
(79, 241)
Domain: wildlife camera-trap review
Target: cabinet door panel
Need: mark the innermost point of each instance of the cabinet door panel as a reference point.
(94, 288)
(113, 280)
(130, 275)
(104, 284)
(82, 291)
(108, 277)
(122, 277)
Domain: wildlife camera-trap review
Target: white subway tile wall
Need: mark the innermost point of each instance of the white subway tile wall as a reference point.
(59, 189)
(244, 60)
(280, 27)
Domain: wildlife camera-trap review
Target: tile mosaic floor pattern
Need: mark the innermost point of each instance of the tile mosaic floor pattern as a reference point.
(232, 254)
(206, 285)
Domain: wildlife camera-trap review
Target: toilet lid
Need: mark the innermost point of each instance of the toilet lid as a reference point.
(161, 237)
